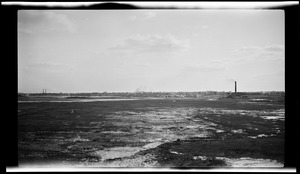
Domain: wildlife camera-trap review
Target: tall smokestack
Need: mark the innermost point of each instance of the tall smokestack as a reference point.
(235, 87)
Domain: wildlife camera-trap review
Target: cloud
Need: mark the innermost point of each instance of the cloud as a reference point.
(48, 67)
(201, 68)
(61, 22)
(135, 64)
(274, 48)
(251, 49)
(32, 21)
(248, 49)
(151, 43)
(204, 26)
(142, 16)
(258, 51)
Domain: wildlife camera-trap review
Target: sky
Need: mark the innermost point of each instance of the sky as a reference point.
(150, 50)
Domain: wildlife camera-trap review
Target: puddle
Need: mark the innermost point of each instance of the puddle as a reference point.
(177, 153)
(254, 137)
(237, 131)
(260, 99)
(200, 157)
(261, 135)
(264, 135)
(212, 99)
(219, 131)
(273, 117)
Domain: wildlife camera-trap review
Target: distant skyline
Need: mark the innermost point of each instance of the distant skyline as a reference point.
(150, 50)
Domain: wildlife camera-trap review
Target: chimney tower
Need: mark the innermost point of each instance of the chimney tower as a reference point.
(235, 87)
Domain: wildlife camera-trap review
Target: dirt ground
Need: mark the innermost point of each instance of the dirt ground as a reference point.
(172, 133)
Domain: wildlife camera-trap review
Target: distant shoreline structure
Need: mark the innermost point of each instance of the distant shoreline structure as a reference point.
(181, 94)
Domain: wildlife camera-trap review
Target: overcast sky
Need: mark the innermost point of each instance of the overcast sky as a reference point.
(150, 50)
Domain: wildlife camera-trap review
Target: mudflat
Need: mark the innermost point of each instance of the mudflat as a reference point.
(141, 132)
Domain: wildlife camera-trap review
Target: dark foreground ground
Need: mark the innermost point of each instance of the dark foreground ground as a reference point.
(223, 132)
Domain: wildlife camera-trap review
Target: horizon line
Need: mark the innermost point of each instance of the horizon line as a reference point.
(146, 92)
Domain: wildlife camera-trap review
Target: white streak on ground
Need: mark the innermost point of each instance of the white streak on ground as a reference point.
(250, 162)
